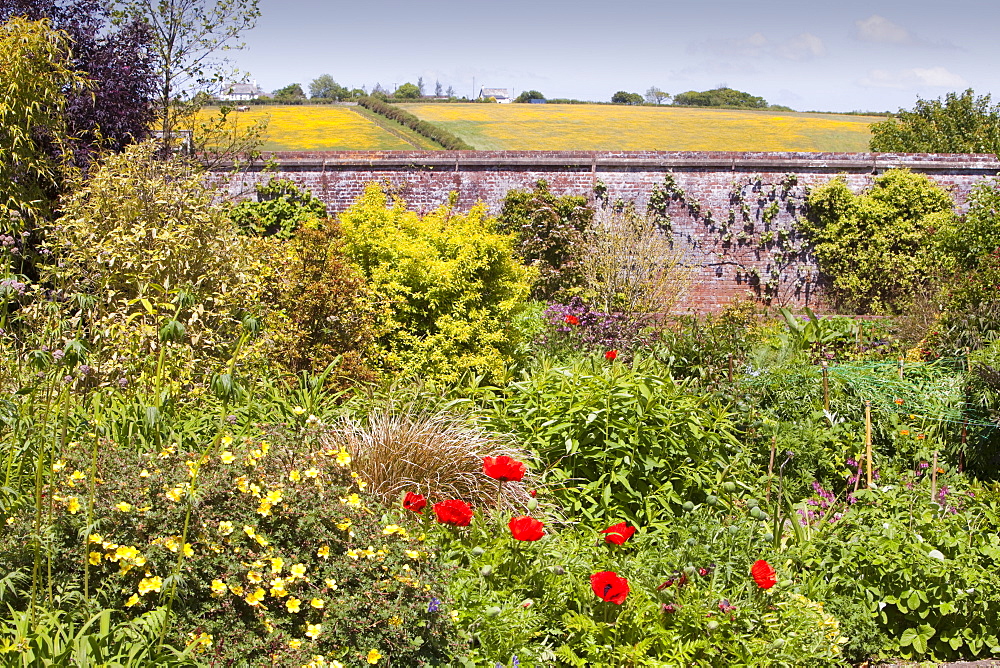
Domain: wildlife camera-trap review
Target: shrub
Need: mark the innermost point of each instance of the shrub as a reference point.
(874, 249)
(618, 440)
(432, 132)
(139, 245)
(280, 208)
(322, 310)
(264, 548)
(550, 232)
(449, 282)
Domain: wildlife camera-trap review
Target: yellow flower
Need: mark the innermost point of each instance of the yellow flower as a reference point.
(294, 643)
(323, 552)
(241, 484)
(298, 410)
(132, 600)
(248, 530)
(317, 603)
(147, 585)
(313, 630)
(343, 458)
(277, 563)
(373, 656)
(58, 466)
(236, 589)
(294, 475)
(124, 507)
(254, 576)
(454, 615)
(278, 588)
(311, 472)
(264, 508)
(354, 501)
(218, 588)
(354, 554)
(263, 542)
(227, 457)
(293, 604)
(227, 440)
(188, 550)
(396, 621)
(96, 538)
(144, 473)
(175, 494)
(225, 528)
(345, 525)
(298, 571)
(73, 506)
(95, 558)
(254, 598)
(394, 528)
(331, 583)
(76, 476)
(412, 554)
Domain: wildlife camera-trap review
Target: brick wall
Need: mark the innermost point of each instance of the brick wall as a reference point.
(713, 185)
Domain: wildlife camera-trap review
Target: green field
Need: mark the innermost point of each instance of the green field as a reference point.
(606, 127)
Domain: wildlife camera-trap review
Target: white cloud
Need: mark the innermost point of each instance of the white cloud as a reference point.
(879, 29)
(934, 77)
(801, 47)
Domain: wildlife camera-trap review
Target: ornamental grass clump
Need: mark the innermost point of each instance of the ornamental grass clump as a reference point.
(439, 456)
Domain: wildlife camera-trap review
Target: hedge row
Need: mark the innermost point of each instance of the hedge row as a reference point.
(433, 132)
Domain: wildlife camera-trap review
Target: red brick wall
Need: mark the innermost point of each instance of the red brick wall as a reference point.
(722, 270)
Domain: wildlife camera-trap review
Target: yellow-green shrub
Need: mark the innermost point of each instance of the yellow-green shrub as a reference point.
(449, 280)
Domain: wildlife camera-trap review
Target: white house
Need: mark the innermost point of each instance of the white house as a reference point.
(239, 92)
(501, 95)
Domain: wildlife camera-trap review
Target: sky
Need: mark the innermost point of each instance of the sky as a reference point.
(809, 55)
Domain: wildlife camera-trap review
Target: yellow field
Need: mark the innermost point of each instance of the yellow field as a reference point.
(319, 128)
(612, 127)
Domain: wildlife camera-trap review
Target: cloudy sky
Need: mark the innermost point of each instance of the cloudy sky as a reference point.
(809, 55)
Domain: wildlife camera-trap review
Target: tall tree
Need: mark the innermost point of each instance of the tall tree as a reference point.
(437, 88)
(325, 88)
(291, 92)
(957, 124)
(450, 92)
(188, 38)
(656, 96)
(420, 86)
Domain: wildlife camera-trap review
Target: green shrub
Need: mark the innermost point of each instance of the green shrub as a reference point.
(140, 245)
(429, 130)
(550, 233)
(619, 440)
(875, 249)
(449, 281)
(250, 545)
(280, 208)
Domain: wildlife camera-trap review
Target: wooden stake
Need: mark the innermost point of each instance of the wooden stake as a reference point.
(826, 388)
(901, 368)
(934, 477)
(965, 437)
(868, 440)
(730, 367)
(770, 468)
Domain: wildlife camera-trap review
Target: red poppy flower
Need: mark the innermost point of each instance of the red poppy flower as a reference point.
(571, 320)
(611, 355)
(454, 512)
(503, 468)
(619, 533)
(526, 528)
(414, 502)
(609, 587)
(763, 574)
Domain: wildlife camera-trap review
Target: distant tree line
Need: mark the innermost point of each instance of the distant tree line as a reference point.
(717, 97)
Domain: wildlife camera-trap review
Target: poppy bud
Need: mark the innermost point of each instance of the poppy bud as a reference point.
(486, 571)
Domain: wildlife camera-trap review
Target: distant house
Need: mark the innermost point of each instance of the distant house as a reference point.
(240, 92)
(501, 95)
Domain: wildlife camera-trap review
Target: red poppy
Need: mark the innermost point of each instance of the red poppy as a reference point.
(571, 320)
(454, 512)
(503, 468)
(763, 574)
(619, 533)
(611, 355)
(414, 502)
(526, 528)
(609, 587)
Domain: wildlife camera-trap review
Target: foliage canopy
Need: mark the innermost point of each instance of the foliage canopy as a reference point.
(963, 123)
